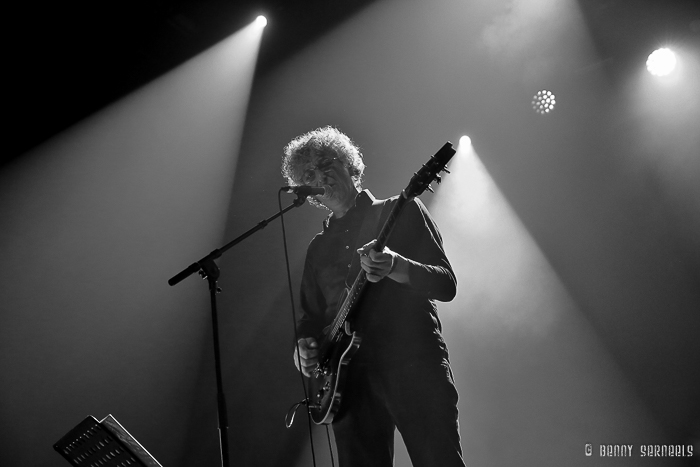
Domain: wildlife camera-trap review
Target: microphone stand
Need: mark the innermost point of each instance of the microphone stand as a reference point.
(208, 269)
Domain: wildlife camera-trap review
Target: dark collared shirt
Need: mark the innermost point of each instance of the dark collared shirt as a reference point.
(397, 322)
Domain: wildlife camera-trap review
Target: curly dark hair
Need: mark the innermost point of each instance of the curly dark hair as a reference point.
(328, 141)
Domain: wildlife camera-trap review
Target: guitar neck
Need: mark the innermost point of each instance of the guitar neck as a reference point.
(360, 281)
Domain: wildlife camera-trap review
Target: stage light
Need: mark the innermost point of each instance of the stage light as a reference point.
(261, 21)
(661, 62)
(543, 102)
(465, 141)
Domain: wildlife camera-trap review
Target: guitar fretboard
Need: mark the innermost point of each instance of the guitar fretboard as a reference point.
(360, 282)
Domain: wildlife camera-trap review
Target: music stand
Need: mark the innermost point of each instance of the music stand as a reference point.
(104, 443)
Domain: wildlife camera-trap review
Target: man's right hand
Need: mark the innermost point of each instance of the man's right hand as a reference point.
(308, 350)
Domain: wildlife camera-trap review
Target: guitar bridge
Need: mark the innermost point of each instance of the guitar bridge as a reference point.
(322, 371)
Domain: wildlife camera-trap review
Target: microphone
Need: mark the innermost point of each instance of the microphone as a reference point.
(304, 190)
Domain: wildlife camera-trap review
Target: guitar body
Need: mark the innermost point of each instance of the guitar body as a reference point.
(325, 385)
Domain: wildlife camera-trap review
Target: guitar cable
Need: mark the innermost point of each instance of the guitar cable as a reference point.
(296, 343)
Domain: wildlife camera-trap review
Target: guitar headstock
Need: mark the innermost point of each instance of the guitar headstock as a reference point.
(430, 172)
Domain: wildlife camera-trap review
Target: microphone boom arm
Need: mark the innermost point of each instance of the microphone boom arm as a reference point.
(199, 265)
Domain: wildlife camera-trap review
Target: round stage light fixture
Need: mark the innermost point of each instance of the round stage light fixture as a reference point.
(661, 62)
(543, 102)
(261, 21)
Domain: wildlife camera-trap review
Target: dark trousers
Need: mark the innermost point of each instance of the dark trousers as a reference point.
(419, 399)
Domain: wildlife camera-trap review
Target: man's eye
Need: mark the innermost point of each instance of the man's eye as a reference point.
(309, 176)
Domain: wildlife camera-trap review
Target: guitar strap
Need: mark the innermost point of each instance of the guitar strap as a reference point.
(369, 230)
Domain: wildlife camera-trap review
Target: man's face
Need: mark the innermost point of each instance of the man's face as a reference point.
(324, 169)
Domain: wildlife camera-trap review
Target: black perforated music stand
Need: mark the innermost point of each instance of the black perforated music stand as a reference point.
(103, 443)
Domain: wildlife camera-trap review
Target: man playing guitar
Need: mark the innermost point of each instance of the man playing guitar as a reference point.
(399, 375)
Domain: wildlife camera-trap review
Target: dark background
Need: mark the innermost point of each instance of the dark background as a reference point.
(574, 235)
(66, 61)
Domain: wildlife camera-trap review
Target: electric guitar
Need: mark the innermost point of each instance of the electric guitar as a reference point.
(339, 343)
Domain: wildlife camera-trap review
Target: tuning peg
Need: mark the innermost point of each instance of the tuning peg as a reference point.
(444, 169)
(438, 179)
(430, 189)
